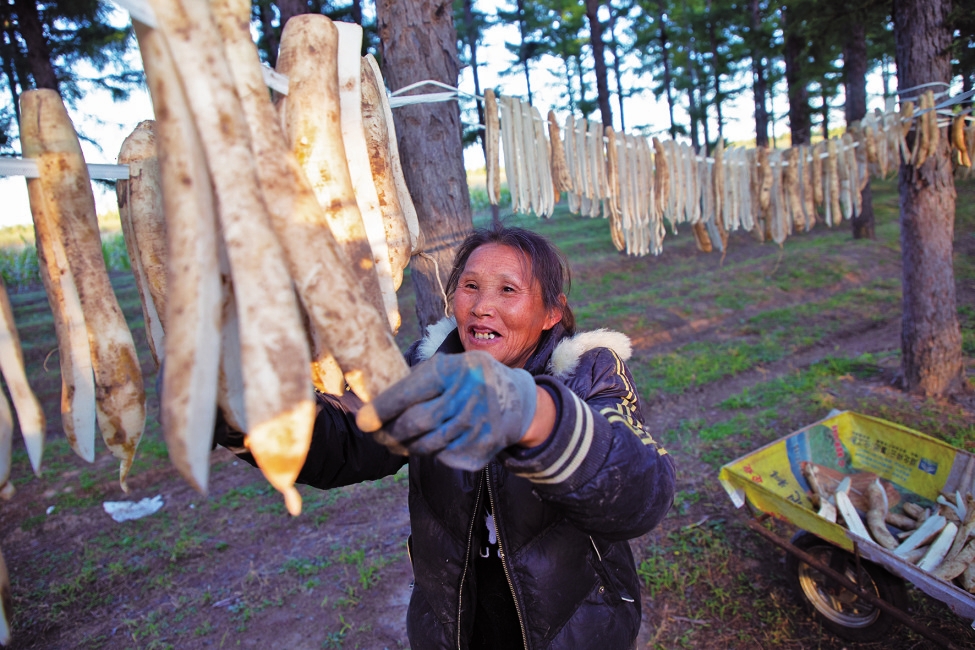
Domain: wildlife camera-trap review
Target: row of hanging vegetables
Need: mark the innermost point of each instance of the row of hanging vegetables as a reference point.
(640, 185)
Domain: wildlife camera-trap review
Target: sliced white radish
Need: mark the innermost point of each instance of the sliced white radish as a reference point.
(188, 403)
(313, 126)
(405, 200)
(377, 145)
(571, 164)
(342, 321)
(374, 125)
(141, 211)
(357, 155)
(492, 137)
(542, 158)
(529, 152)
(78, 409)
(510, 158)
(278, 396)
(30, 416)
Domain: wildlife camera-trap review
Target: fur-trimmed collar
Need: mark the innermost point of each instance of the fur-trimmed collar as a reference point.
(435, 336)
(565, 357)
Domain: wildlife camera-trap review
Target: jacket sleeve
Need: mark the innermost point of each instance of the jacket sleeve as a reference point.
(340, 454)
(600, 465)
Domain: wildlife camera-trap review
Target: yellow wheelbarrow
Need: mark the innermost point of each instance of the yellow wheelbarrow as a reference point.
(854, 586)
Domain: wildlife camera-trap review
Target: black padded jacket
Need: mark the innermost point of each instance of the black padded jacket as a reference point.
(564, 511)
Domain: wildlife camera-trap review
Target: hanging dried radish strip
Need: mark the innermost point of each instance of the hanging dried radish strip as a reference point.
(278, 397)
(120, 399)
(188, 403)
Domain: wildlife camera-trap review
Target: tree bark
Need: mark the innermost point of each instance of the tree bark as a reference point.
(665, 58)
(885, 75)
(717, 77)
(582, 86)
(693, 112)
(800, 124)
(702, 105)
(599, 58)
(825, 115)
(931, 361)
(418, 42)
(855, 83)
(38, 53)
(615, 47)
(272, 36)
(10, 71)
(522, 28)
(759, 85)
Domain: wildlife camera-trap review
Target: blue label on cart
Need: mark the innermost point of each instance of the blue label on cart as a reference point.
(928, 466)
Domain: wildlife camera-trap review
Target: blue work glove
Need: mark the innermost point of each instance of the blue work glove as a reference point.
(462, 408)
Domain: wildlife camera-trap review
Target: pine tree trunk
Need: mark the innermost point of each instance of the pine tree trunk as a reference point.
(692, 111)
(931, 361)
(615, 48)
(272, 36)
(524, 49)
(759, 85)
(599, 57)
(9, 70)
(855, 80)
(800, 124)
(418, 42)
(666, 62)
(717, 77)
(38, 53)
(825, 115)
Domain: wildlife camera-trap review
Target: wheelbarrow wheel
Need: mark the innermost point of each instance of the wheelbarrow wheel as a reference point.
(839, 610)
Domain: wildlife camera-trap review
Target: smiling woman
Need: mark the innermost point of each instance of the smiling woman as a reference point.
(503, 313)
(530, 465)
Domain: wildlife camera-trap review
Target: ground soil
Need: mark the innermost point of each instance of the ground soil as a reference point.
(233, 570)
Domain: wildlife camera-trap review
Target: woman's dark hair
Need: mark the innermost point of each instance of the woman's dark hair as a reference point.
(548, 265)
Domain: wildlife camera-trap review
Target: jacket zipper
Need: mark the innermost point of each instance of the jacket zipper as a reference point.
(467, 556)
(504, 563)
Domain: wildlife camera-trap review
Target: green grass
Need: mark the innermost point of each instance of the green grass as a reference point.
(966, 320)
(237, 498)
(766, 337)
(303, 567)
(700, 363)
(801, 385)
(704, 565)
(19, 265)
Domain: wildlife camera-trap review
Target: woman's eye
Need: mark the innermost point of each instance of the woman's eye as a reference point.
(508, 289)
(470, 285)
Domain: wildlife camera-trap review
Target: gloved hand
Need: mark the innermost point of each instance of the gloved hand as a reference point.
(463, 408)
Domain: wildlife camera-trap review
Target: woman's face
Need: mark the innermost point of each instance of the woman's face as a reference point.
(498, 305)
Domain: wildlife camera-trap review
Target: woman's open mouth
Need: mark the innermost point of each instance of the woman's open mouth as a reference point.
(484, 335)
